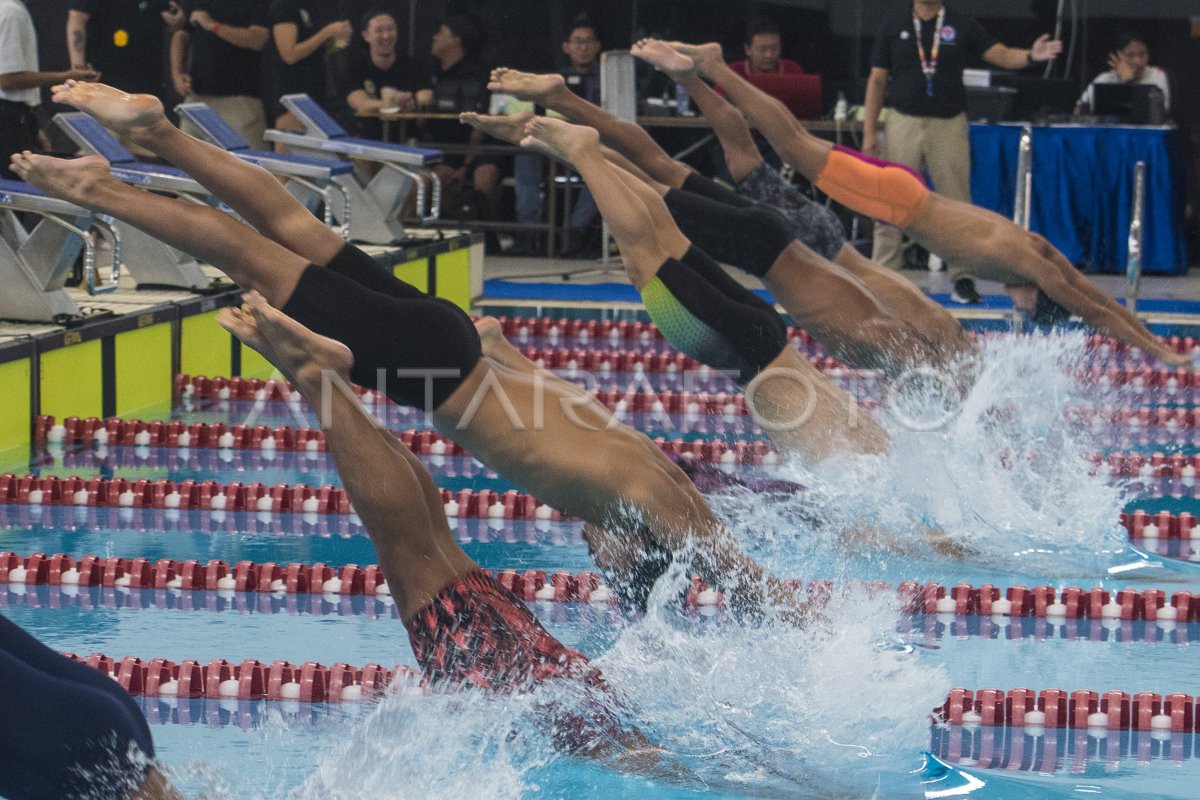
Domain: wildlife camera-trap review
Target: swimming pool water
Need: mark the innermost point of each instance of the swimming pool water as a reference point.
(748, 712)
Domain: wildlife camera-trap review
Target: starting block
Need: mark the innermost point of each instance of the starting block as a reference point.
(315, 182)
(151, 263)
(377, 202)
(34, 263)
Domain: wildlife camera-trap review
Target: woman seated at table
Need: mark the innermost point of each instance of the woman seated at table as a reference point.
(1129, 62)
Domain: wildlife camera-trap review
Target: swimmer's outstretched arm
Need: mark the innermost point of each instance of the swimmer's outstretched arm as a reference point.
(1064, 284)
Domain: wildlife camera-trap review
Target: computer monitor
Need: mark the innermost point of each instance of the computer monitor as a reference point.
(800, 93)
(1132, 103)
(1043, 97)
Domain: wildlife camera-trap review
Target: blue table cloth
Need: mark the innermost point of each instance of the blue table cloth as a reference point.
(1083, 189)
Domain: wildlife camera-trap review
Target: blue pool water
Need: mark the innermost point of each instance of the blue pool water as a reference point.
(840, 711)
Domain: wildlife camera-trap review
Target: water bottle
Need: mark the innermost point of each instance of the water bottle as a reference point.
(683, 101)
(841, 110)
(1156, 113)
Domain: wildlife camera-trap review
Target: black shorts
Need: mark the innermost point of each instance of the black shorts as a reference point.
(712, 318)
(69, 731)
(389, 326)
(749, 237)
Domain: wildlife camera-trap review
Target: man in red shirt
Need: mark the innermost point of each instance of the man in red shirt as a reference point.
(763, 46)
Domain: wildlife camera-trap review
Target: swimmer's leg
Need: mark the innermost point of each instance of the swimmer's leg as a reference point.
(741, 154)
(642, 247)
(627, 138)
(256, 195)
(766, 114)
(250, 259)
(391, 491)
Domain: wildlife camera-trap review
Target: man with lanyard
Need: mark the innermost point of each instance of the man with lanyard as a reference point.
(21, 80)
(918, 59)
(224, 39)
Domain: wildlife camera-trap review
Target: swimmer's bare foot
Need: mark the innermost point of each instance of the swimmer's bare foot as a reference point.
(135, 115)
(240, 322)
(489, 328)
(705, 56)
(569, 142)
(526, 85)
(76, 180)
(509, 128)
(664, 58)
(301, 354)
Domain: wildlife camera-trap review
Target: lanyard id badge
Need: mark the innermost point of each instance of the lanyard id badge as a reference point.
(929, 65)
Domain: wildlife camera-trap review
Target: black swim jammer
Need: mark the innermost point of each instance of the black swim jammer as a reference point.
(388, 326)
(711, 317)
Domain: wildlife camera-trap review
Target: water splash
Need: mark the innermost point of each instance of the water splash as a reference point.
(1006, 477)
(832, 709)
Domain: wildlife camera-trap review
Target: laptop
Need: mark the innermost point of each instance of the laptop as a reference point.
(1038, 98)
(1131, 103)
(800, 93)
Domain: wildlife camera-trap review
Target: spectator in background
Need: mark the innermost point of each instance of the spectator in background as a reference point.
(471, 181)
(377, 76)
(1129, 62)
(582, 74)
(764, 46)
(21, 81)
(297, 57)
(215, 60)
(918, 59)
(122, 40)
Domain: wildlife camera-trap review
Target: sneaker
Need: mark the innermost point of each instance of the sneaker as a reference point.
(965, 293)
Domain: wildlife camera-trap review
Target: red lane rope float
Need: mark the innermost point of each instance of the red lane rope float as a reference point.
(247, 576)
(285, 438)
(1146, 465)
(1161, 525)
(676, 402)
(1081, 709)
(250, 679)
(626, 330)
(962, 599)
(429, 442)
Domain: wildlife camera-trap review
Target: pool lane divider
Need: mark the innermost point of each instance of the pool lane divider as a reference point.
(523, 328)
(315, 683)
(250, 679)
(218, 435)
(962, 599)
(205, 435)
(1082, 709)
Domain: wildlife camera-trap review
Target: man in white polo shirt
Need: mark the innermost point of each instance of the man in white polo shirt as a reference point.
(20, 81)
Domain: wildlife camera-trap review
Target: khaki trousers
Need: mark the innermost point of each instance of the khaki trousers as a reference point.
(244, 114)
(941, 147)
